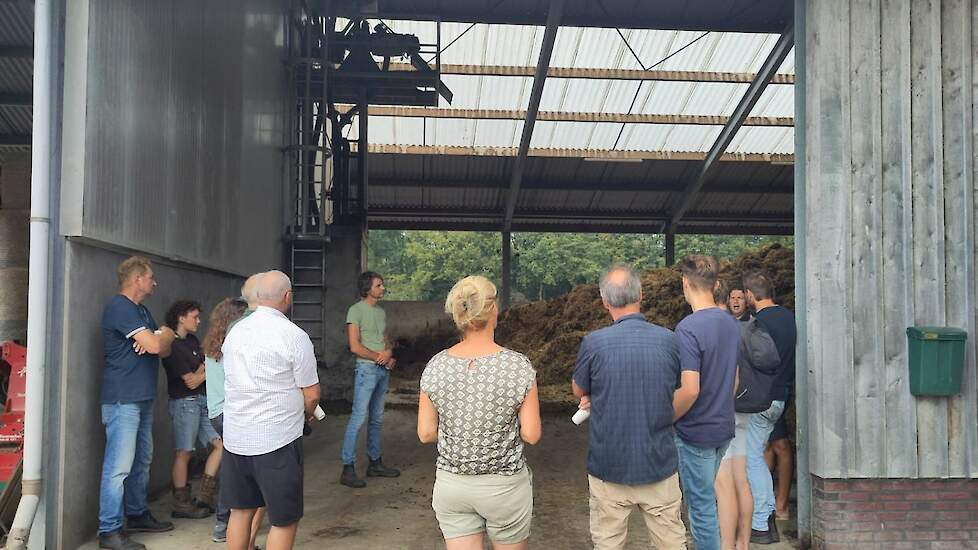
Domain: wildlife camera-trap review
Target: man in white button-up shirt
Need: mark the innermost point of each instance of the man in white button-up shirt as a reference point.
(272, 389)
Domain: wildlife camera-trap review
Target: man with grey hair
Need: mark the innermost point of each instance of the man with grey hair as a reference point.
(626, 374)
(272, 389)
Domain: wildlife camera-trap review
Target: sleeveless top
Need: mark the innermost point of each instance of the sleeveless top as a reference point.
(478, 402)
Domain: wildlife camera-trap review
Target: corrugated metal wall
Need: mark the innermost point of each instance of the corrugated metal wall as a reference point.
(180, 113)
(891, 219)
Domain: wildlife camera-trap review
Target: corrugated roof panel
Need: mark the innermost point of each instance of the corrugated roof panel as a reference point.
(16, 120)
(491, 92)
(763, 139)
(17, 74)
(16, 25)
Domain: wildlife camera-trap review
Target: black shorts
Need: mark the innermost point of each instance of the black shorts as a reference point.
(273, 480)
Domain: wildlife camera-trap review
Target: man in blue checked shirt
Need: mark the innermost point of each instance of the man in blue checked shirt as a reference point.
(626, 374)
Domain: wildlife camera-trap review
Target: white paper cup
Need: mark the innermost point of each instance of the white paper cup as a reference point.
(319, 413)
(581, 415)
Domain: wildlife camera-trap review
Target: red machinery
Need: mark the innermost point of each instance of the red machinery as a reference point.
(13, 375)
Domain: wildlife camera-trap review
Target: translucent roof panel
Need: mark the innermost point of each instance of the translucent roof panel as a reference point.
(596, 48)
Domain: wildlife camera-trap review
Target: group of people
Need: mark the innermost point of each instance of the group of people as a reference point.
(246, 392)
(662, 405)
(664, 421)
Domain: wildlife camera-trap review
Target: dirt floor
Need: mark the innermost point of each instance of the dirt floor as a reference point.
(396, 514)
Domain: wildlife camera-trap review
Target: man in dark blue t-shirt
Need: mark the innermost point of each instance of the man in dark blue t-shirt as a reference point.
(626, 374)
(133, 345)
(779, 322)
(704, 403)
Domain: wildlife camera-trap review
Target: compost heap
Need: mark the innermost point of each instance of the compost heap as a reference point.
(550, 331)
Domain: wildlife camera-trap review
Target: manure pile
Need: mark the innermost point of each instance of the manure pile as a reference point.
(550, 331)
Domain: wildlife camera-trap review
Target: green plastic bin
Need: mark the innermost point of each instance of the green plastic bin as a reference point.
(936, 359)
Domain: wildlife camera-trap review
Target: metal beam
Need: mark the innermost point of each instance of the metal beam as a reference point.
(8, 99)
(739, 118)
(507, 268)
(554, 15)
(785, 189)
(600, 74)
(569, 116)
(13, 50)
(586, 154)
(559, 215)
(572, 226)
(15, 140)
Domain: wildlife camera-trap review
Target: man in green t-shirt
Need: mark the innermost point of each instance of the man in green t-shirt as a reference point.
(366, 325)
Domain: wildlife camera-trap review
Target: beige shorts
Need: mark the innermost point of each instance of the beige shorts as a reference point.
(499, 505)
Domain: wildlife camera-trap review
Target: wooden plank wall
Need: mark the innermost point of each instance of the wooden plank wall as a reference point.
(890, 182)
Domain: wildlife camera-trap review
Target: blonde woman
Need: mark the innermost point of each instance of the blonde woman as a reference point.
(479, 402)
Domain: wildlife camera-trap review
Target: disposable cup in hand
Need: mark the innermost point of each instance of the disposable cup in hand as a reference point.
(581, 415)
(319, 413)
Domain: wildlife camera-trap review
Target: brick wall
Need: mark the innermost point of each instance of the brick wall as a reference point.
(894, 514)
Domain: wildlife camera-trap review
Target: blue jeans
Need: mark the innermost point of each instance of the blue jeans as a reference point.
(759, 428)
(698, 472)
(369, 388)
(222, 514)
(125, 468)
(190, 423)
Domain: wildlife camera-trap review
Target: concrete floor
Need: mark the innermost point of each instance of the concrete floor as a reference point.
(395, 514)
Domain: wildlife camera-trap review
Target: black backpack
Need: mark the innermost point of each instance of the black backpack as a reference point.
(757, 363)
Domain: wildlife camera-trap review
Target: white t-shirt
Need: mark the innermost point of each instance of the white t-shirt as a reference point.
(267, 362)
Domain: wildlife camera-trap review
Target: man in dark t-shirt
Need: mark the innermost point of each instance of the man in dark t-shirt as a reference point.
(185, 376)
(133, 346)
(779, 322)
(704, 403)
(626, 374)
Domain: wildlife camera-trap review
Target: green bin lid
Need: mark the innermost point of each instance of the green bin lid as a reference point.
(936, 333)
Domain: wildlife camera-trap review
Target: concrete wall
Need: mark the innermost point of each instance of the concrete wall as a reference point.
(890, 187)
(90, 283)
(412, 319)
(176, 113)
(343, 265)
(15, 212)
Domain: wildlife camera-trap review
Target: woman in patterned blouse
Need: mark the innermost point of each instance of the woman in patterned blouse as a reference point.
(479, 402)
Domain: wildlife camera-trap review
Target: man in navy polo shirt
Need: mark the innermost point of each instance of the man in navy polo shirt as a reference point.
(133, 346)
(704, 403)
(626, 374)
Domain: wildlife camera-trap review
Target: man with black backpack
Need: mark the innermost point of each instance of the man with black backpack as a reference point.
(779, 323)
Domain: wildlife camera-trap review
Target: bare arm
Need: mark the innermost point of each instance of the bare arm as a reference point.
(193, 380)
(310, 398)
(686, 395)
(427, 420)
(147, 341)
(361, 351)
(585, 399)
(530, 427)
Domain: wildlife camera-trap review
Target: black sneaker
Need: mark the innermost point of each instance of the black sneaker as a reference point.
(146, 523)
(118, 540)
(377, 469)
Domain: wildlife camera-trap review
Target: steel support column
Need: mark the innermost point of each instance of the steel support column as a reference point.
(736, 120)
(543, 64)
(670, 248)
(507, 269)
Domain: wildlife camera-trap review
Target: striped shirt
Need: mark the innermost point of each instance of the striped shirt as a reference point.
(267, 362)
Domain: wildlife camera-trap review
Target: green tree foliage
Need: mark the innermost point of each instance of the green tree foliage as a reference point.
(423, 265)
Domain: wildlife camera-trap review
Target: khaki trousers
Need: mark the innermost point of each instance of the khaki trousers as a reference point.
(659, 502)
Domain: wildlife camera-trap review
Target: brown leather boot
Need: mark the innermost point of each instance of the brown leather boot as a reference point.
(207, 496)
(183, 506)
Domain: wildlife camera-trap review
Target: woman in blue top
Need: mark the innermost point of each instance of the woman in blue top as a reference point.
(222, 318)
